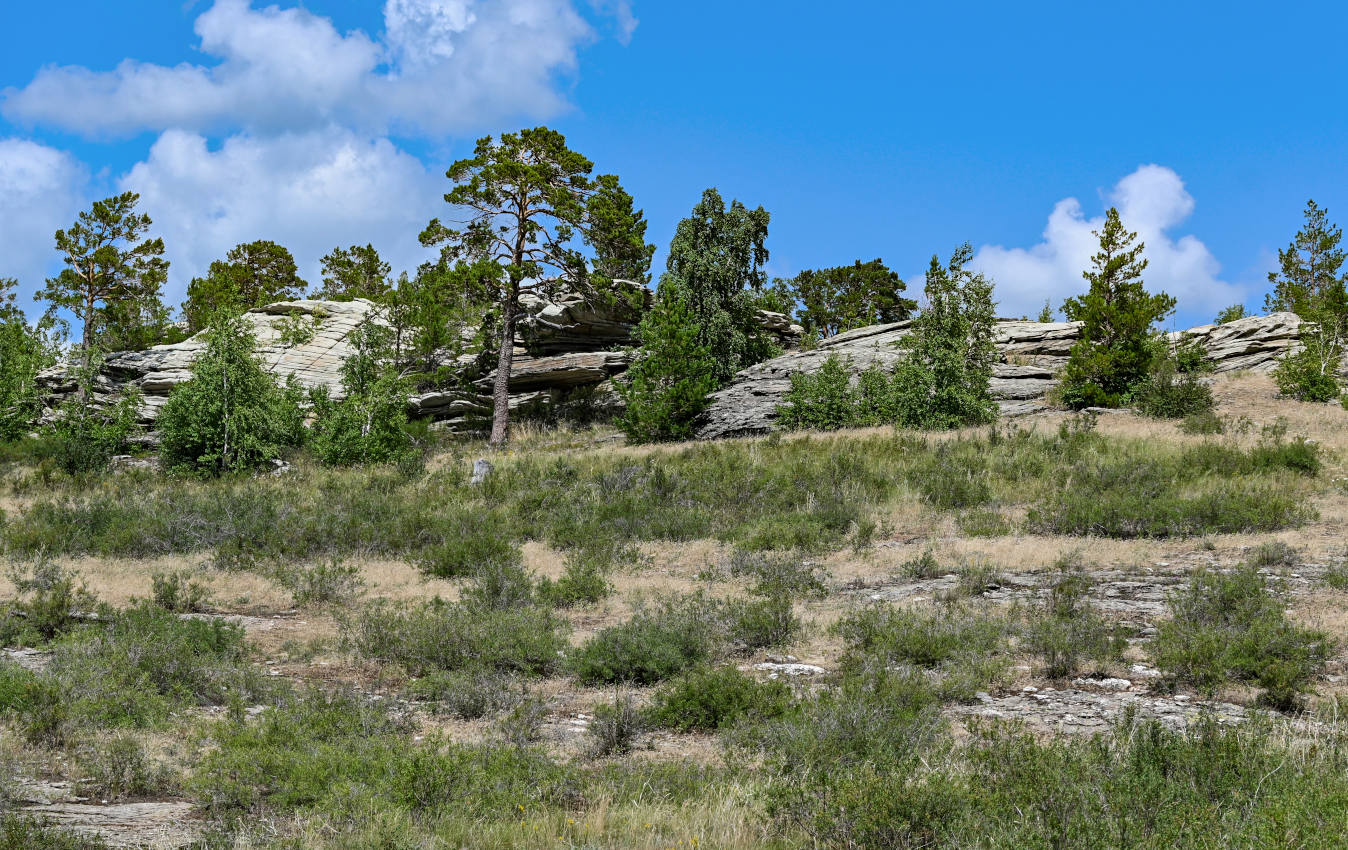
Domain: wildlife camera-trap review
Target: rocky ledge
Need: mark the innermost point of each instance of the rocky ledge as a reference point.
(1031, 353)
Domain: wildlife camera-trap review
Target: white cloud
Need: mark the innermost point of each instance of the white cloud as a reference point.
(1151, 201)
(443, 66)
(41, 191)
(310, 192)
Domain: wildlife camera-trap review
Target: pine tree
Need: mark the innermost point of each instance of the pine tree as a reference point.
(1115, 350)
(355, 272)
(1311, 284)
(839, 299)
(253, 274)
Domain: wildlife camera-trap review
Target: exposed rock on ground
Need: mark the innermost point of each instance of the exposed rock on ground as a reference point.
(151, 826)
(1078, 711)
(1031, 354)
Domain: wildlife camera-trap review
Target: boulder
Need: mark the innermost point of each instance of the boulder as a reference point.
(1031, 354)
(314, 362)
(568, 321)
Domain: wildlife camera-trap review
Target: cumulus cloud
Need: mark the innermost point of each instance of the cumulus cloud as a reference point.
(1151, 201)
(442, 66)
(308, 191)
(41, 191)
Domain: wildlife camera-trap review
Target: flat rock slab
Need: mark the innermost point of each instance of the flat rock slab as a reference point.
(154, 826)
(35, 660)
(1075, 712)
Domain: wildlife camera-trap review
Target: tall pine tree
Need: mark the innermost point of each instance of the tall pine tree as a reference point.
(1310, 283)
(1114, 352)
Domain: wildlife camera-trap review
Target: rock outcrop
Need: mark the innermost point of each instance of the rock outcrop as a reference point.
(1031, 353)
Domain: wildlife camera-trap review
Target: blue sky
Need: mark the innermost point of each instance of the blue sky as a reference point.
(868, 130)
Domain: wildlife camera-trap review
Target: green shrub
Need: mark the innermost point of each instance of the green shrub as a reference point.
(1230, 314)
(654, 645)
(778, 573)
(615, 728)
(1306, 376)
(1069, 630)
(922, 637)
(666, 389)
(50, 603)
(1172, 392)
(1228, 627)
(470, 544)
(583, 581)
(231, 415)
(1204, 422)
(87, 431)
(120, 768)
(468, 694)
(369, 424)
(982, 522)
(147, 661)
(1273, 553)
(445, 636)
(21, 832)
(924, 566)
(500, 586)
(763, 623)
(330, 583)
(822, 401)
(523, 724)
(179, 593)
(711, 698)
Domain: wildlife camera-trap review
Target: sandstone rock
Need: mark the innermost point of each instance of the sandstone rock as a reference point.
(156, 826)
(569, 322)
(789, 334)
(563, 371)
(1031, 355)
(481, 469)
(156, 371)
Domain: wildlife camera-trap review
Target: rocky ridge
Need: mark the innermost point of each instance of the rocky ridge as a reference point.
(1031, 353)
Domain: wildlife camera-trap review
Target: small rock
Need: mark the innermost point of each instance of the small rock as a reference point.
(481, 469)
(790, 669)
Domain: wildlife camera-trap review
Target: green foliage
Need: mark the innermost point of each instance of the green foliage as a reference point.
(253, 274)
(583, 581)
(49, 601)
(710, 698)
(527, 200)
(468, 694)
(1309, 373)
(1229, 627)
(1310, 282)
(231, 415)
(666, 388)
(21, 832)
(1069, 630)
(1171, 391)
(329, 583)
(112, 281)
(614, 728)
(25, 350)
(86, 431)
(1046, 313)
(1231, 314)
(1203, 422)
(355, 272)
(933, 638)
(654, 644)
(617, 233)
(120, 768)
(821, 401)
(447, 636)
(840, 299)
(179, 593)
(715, 267)
(943, 381)
(369, 425)
(1114, 351)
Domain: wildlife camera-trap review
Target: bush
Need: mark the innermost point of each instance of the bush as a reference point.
(369, 425)
(778, 573)
(654, 645)
(666, 388)
(231, 415)
(614, 728)
(146, 661)
(329, 583)
(712, 698)
(468, 694)
(1231, 314)
(500, 586)
(1305, 376)
(86, 431)
(50, 604)
(1171, 393)
(1203, 422)
(959, 643)
(445, 636)
(763, 623)
(119, 768)
(1069, 630)
(1273, 553)
(470, 544)
(20, 832)
(822, 401)
(179, 593)
(583, 581)
(1227, 627)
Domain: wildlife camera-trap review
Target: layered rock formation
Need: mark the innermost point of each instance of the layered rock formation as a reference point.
(1031, 353)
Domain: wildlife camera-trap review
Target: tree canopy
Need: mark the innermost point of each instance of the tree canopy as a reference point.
(1118, 315)
(839, 299)
(252, 274)
(355, 272)
(113, 276)
(529, 203)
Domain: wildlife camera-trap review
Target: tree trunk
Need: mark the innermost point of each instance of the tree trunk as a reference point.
(500, 420)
